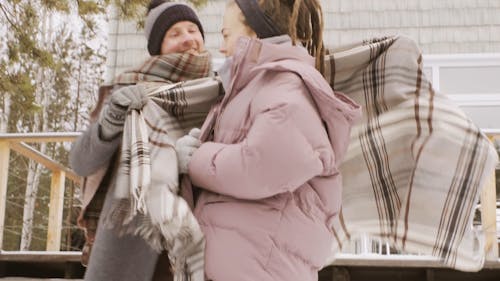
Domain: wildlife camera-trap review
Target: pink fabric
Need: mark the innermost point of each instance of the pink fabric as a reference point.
(270, 177)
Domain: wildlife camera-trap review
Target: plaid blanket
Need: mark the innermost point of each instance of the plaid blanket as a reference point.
(416, 163)
(147, 185)
(146, 199)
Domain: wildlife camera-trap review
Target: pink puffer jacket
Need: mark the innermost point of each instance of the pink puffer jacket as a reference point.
(269, 179)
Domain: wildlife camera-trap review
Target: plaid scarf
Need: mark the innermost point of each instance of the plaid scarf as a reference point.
(169, 68)
(146, 199)
(416, 163)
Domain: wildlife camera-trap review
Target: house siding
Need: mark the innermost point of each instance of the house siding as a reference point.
(438, 26)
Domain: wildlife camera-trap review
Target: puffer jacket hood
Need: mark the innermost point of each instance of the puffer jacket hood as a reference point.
(253, 56)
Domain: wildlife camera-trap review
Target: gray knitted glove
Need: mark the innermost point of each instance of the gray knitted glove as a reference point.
(121, 101)
(185, 147)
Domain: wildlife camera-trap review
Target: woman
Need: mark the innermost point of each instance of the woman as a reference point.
(268, 168)
(127, 248)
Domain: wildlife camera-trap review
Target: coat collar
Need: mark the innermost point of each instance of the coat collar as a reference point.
(252, 54)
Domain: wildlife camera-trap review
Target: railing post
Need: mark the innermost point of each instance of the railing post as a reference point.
(56, 211)
(489, 218)
(4, 175)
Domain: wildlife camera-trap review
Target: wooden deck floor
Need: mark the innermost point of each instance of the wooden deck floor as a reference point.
(364, 274)
(66, 266)
(36, 279)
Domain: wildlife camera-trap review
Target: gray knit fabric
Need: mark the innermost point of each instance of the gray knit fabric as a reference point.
(120, 257)
(153, 15)
(82, 157)
(113, 257)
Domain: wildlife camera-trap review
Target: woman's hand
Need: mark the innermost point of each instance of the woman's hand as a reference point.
(185, 147)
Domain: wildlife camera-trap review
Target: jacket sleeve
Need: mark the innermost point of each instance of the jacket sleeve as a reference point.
(89, 152)
(275, 157)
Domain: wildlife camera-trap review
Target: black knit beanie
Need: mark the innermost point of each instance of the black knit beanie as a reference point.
(161, 18)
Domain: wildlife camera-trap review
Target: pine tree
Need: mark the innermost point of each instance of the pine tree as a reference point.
(49, 75)
(37, 82)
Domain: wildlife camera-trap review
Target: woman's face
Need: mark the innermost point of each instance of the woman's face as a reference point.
(233, 27)
(183, 37)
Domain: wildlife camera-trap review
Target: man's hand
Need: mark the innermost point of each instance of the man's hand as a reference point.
(121, 102)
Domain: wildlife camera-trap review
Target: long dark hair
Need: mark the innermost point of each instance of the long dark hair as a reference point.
(302, 20)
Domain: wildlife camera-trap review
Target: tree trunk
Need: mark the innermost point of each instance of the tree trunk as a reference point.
(34, 169)
(5, 113)
(29, 204)
(39, 122)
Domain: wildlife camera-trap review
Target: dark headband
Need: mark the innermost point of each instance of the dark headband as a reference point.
(261, 23)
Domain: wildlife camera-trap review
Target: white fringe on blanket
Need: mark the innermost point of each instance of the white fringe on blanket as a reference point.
(147, 179)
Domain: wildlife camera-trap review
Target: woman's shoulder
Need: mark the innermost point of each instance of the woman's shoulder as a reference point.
(277, 81)
(283, 89)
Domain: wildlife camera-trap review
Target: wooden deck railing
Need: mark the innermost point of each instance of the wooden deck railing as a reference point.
(489, 219)
(18, 143)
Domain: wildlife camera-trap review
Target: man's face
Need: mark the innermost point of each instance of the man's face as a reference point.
(183, 37)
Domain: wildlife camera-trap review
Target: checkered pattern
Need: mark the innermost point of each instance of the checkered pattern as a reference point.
(416, 163)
